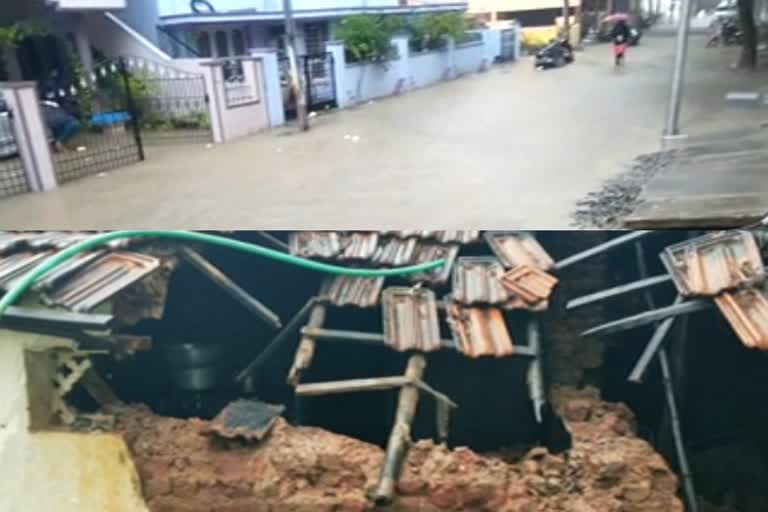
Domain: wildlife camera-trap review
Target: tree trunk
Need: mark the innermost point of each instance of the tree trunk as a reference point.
(749, 46)
(567, 20)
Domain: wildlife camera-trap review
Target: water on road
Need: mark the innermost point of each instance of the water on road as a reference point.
(511, 148)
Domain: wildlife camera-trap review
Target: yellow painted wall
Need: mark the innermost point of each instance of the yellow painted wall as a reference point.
(540, 36)
(56, 471)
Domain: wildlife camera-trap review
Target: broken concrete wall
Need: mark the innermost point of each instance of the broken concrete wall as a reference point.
(57, 471)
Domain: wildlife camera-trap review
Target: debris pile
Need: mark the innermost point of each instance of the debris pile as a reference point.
(619, 196)
(309, 469)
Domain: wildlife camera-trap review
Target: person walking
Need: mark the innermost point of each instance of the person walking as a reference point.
(620, 36)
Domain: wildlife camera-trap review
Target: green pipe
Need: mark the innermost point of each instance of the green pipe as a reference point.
(191, 236)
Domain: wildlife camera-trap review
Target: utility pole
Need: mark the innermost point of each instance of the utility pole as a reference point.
(672, 127)
(567, 20)
(297, 83)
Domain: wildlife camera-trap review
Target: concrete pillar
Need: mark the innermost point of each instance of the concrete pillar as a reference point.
(401, 65)
(83, 44)
(451, 54)
(31, 134)
(214, 76)
(12, 66)
(273, 90)
(336, 49)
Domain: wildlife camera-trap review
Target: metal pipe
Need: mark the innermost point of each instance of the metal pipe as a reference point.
(234, 290)
(669, 391)
(352, 386)
(642, 284)
(372, 338)
(535, 375)
(276, 243)
(601, 248)
(653, 347)
(306, 351)
(400, 436)
(273, 345)
(672, 126)
(649, 317)
(677, 433)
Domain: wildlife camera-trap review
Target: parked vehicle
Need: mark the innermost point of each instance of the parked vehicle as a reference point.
(556, 54)
(726, 32)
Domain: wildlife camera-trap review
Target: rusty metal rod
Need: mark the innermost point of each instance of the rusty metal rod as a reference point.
(217, 277)
(649, 317)
(352, 386)
(276, 243)
(535, 375)
(653, 347)
(642, 284)
(669, 390)
(378, 339)
(601, 248)
(372, 384)
(400, 437)
(278, 340)
(306, 351)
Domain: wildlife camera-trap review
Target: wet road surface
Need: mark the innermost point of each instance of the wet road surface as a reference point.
(512, 148)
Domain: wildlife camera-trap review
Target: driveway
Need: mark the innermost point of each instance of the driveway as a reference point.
(512, 148)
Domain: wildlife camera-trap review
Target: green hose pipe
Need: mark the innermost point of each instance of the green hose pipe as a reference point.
(191, 236)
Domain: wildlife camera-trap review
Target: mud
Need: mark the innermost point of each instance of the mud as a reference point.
(307, 469)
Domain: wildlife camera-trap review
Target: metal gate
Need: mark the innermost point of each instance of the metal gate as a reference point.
(93, 121)
(320, 80)
(13, 178)
(172, 103)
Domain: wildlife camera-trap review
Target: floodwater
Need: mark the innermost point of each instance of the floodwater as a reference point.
(509, 148)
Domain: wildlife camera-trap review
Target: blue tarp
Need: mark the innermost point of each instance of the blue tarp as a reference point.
(109, 118)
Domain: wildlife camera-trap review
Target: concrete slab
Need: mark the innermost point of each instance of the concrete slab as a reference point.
(716, 182)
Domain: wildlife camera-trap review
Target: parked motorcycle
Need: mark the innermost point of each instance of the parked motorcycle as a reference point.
(727, 32)
(556, 54)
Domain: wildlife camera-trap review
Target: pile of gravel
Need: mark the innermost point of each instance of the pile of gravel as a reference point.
(607, 207)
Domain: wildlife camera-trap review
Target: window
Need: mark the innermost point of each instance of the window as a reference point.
(204, 44)
(222, 44)
(238, 42)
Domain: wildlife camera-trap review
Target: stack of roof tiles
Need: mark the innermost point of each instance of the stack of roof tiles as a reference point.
(481, 288)
(729, 267)
(80, 284)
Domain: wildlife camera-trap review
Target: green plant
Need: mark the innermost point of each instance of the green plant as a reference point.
(12, 35)
(367, 38)
(438, 27)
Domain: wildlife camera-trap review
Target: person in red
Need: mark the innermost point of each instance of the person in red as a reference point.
(620, 36)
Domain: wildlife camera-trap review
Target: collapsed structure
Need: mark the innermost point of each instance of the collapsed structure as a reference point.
(493, 300)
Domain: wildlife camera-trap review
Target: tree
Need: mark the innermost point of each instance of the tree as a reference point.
(12, 35)
(749, 45)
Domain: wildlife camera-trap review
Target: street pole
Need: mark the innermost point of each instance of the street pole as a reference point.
(567, 20)
(297, 83)
(672, 127)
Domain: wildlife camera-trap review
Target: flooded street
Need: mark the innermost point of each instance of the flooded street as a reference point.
(512, 147)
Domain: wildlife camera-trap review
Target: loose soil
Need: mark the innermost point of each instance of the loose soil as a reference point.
(303, 469)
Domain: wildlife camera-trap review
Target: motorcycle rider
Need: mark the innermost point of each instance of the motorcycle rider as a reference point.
(620, 36)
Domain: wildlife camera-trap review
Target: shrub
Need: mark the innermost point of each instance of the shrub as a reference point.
(368, 38)
(430, 32)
